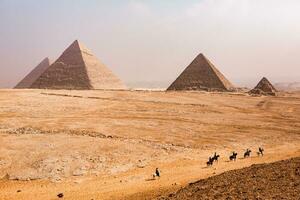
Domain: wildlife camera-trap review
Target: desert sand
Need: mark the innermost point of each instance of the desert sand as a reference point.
(107, 144)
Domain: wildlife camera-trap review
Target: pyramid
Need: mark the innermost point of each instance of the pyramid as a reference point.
(201, 74)
(33, 75)
(264, 87)
(77, 68)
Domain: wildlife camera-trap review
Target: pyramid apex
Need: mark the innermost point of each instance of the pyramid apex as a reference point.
(201, 55)
(264, 78)
(46, 60)
(75, 42)
(79, 45)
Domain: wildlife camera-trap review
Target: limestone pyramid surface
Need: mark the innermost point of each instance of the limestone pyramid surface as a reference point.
(34, 74)
(78, 68)
(264, 87)
(201, 74)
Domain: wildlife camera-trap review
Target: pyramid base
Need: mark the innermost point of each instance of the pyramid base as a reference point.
(200, 88)
(259, 92)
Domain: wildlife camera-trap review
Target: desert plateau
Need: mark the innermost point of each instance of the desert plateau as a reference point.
(107, 144)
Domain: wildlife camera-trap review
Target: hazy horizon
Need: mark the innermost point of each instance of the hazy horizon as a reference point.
(153, 41)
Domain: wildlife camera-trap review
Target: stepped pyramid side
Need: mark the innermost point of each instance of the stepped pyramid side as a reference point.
(67, 72)
(264, 87)
(28, 80)
(103, 80)
(77, 68)
(201, 74)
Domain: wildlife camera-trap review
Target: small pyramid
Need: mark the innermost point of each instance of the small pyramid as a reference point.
(33, 75)
(201, 74)
(264, 87)
(78, 68)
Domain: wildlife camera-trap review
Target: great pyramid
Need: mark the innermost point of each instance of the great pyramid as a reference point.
(201, 74)
(78, 68)
(264, 87)
(33, 75)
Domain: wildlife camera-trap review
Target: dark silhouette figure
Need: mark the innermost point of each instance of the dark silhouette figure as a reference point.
(157, 172)
(233, 156)
(260, 151)
(216, 157)
(60, 195)
(210, 161)
(247, 153)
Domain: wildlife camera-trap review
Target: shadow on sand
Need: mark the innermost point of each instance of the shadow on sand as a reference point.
(150, 179)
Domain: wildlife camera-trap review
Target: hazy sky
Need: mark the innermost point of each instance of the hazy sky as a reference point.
(154, 40)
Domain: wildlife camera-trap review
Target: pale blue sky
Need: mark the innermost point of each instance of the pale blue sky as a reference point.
(155, 40)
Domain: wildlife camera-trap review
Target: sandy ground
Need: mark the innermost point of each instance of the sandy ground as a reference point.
(107, 144)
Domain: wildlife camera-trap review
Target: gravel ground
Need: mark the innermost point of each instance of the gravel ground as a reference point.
(279, 180)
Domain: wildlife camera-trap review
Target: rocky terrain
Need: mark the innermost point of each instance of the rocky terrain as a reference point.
(279, 180)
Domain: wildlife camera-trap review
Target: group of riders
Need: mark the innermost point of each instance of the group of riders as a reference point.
(233, 156)
(216, 157)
